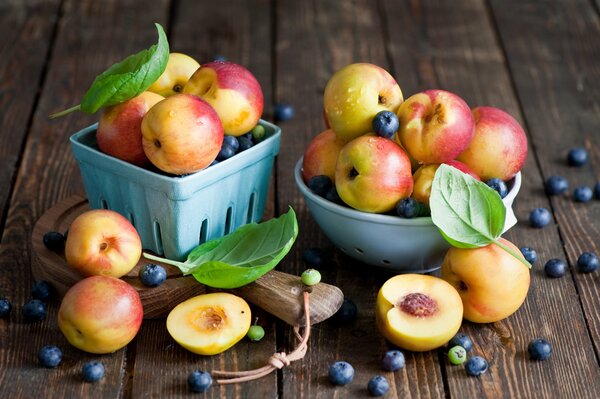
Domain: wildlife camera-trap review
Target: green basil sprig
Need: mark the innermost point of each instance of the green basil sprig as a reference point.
(125, 79)
(468, 213)
(241, 257)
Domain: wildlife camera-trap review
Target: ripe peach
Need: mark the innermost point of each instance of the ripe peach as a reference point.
(418, 312)
(102, 242)
(321, 155)
(178, 71)
(120, 128)
(492, 283)
(209, 324)
(100, 314)
(499, 147)
(423, 178)
(435, 126)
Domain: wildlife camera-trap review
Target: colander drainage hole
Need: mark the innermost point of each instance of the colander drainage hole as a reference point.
(203, 231)
(131, 219)
(385, 262)
(358, 250)
(103, 204)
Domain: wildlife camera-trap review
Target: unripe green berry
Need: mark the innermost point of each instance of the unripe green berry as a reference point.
(311, 277)
(457, 355)
(258, 133)
(255, 333)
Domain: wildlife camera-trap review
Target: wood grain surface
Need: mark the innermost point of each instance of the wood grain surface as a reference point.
(540, 61)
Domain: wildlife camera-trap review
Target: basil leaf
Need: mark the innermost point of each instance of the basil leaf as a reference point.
(241, 257)
(467, 212)
(125, 79)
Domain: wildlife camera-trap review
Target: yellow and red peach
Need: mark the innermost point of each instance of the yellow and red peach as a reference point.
(355, 94)
(209, 324)
(100, 314)
(119, 130)
(232, 91)
(372, 174)
(423, 179)
(499, 147)
(182, 134)
(321, 155)
(178, 71)
(491, 283)
(102, 242)
(418, 312)
(435, 126)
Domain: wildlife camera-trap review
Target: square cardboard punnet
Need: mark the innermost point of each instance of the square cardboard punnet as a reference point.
(174, 214)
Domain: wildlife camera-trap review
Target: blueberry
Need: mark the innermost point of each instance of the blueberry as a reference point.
(320, 184)
(393, 360)
(34, 310)
(378, 385)
(315, 257)
(214, 162)
(539, 217)
(529, 254)
(5, 308)
(54, 241)
(41, 290)
(476, 366)
(582, 194)
(463, 340)
(219, 57)
(555, 268)
(498, 185)
(199, 381)
(385, 124)
(152, 275)
(332, 195)
(341, 373)
(283, 112)
(577, 157)
(597, 190)
(258, 133)
(556, 185)
(587, 262)
(92, 371)
(245, 143)
(346, 313)
(226, 152)
(50, 356)
(232, 142)
(409, 208)
(539, 349)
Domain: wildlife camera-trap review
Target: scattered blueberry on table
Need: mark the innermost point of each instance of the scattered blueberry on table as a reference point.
(385, 124)
(556, 185)
(346, 313)
(41, 290)
(409, 208)
(54, 241)
(50, 356)
(476, 366)
(315, 257)
(341, 373)
(539, 217)
(219, 57)
(34, 310)
(597, 190)
(5, 308)
(92, 371)
(587, 262)
(378, 385)
(393, 360)
(457, 355)
(463, 340)
(498, 185)
(283, 112)
(320, 184)
(199, 381)
(582, 194)
(555, 268)
(577, 157)
(529, 254)
(539, 349)
(310, 277)
(152, 275)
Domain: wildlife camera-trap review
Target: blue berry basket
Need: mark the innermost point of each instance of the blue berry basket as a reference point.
(174, 214)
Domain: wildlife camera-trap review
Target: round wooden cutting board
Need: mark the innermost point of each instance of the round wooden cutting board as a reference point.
(276, 292)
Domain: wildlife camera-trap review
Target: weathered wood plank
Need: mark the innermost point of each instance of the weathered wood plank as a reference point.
(241, 32)
(555, 65)
(91, 36)
(452, 46)
(314, 39)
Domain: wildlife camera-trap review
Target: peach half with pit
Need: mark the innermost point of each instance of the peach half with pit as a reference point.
(209, 324)
(418, 312)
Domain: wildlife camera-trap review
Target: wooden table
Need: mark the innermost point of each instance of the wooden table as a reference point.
(540, 61)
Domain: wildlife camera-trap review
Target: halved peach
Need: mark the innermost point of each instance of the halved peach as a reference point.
(209, 324)
(418, 312)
